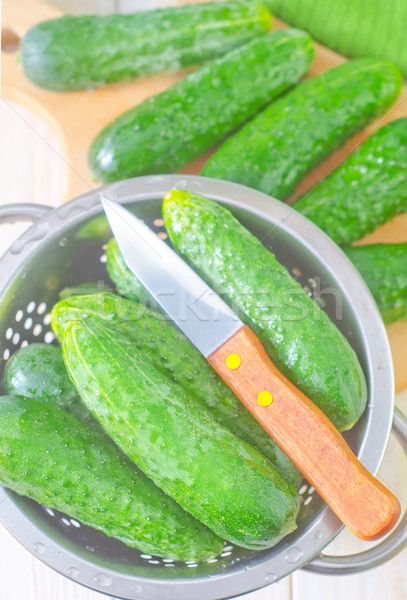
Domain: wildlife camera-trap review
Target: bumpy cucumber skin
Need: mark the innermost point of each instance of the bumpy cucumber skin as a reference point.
(38, 371)
(167, 130)
(50, 456)
(299, 337)
(221, 480)
(124, 280)
(384, 270)
(365, 191)
(82, 52)
(275, 150)
(174, 356)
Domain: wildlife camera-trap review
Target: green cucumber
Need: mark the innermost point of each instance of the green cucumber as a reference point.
(50, 456)
(365, 191)
(168, 130)
(84, 289)
(38, 371)
(174, 356)
(299, 337)
(124, 280)
(222, 481)
(384, 269)
(83, 52)
(275, 150)
(352, 27)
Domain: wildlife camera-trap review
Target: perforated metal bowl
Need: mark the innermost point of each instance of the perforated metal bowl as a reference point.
(64, 248)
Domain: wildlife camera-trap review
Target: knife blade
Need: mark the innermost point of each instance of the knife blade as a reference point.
(305, 434)
(181, 293)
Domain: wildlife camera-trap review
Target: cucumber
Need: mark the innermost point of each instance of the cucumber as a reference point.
(126, 283)
(275, 150)
(38, 371)
(50, 456)
(83, 52)
(84, 289)
(352, 27)
(175, 357)
(219, 479)
(384, 269)
(170, 129)
(299, 337)
(365, 191)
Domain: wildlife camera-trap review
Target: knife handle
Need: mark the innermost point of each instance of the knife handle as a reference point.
(306, 435)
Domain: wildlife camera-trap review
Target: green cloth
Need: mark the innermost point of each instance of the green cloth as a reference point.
(376, 28)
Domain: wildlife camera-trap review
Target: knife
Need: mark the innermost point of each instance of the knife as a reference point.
(301, 430)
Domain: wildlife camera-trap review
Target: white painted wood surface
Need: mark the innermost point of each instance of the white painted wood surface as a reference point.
(31, 171)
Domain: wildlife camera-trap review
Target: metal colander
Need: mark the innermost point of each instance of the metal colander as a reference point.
(64, 247)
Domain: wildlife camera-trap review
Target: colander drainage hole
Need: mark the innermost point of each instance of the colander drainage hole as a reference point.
(28, 323)
(6, 354)
(19, 316)
(75, 523)
(9, 333)
(37, 330)
(41, 308)
(31, 307)
(49, 337)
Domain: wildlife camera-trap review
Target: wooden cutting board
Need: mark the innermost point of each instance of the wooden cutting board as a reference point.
(77, 117)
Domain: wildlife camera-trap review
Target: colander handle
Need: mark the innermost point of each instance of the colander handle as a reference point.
(10, 213)
(394, 543)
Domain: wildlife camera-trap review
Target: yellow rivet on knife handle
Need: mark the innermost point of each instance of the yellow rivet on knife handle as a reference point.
(265, 398)
(233, 361)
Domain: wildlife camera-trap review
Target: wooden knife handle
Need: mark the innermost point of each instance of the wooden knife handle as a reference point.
(306, 435)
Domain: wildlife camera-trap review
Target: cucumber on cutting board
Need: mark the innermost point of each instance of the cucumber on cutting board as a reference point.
(83, 52)
(174, 356)
(365, 191)
(172, 128)
(52, 457)
(38, 371)
(277, 148)
(384, 269)
(352, 27)
(222, 481)
(299, 337)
